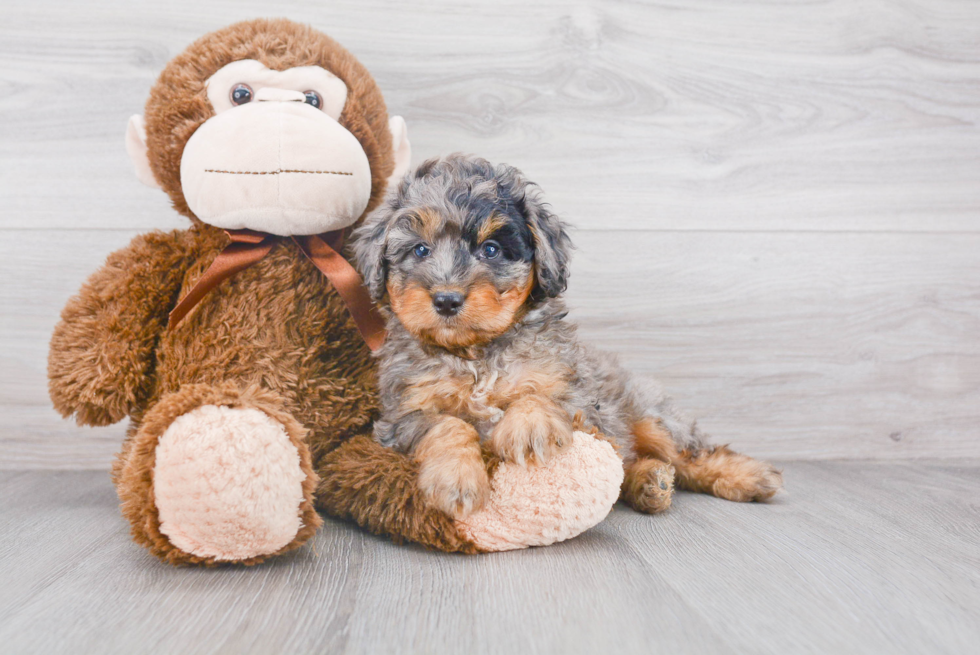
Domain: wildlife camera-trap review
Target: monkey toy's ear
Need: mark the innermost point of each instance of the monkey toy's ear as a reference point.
(136, 147)
(401, 147)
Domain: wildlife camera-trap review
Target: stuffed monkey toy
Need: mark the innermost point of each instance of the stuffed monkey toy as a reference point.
(240, 348)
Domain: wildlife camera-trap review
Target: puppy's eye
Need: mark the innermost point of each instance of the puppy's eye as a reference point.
(313, 99)
(240, 94)
(422, 251)
(490, 250)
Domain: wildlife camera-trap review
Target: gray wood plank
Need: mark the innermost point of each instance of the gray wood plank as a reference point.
(856, 557)
(678, 115)
(812, 345)
(818, 345)
(35, 437)
(51, 523)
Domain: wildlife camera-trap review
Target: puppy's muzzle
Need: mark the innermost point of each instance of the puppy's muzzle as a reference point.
(448, 303)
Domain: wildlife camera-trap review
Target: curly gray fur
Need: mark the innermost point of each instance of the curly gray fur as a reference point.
(465, 192)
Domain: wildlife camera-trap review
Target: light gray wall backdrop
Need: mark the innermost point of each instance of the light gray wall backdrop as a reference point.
(776, 202)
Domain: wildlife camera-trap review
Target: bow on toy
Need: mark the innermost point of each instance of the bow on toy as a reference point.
(323, 250)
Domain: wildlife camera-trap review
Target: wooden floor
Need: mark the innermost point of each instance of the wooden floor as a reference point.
(857, 557)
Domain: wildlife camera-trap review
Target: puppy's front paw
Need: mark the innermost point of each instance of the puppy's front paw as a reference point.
(457, 488)
(532, 426)
(452, 475)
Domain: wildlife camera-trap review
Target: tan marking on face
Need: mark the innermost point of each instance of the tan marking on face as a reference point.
(426, 223)
(487, 313)
(413, 306)
(489, 226)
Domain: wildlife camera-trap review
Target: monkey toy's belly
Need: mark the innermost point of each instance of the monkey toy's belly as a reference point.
(278, 324)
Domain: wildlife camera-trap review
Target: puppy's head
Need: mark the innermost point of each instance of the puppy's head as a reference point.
(461, 250)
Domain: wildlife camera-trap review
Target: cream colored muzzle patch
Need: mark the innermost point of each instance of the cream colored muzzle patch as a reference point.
(275, 165)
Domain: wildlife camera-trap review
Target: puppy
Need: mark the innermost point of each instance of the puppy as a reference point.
(471, 265)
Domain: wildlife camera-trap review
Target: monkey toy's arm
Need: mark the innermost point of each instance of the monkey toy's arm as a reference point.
(102, 350)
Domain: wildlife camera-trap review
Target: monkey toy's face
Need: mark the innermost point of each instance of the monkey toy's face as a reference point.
(274, 157)
(270, 148)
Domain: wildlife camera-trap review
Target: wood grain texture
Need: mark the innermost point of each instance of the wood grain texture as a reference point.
(687, 114)
(777, 202)
(818, 345)
(858, 557)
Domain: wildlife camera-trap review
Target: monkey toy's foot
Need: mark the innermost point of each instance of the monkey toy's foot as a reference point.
(228, 483)
(218, 476)
(541, 505)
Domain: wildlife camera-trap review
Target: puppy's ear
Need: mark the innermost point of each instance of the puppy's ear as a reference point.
(552, 246)
(369, 242)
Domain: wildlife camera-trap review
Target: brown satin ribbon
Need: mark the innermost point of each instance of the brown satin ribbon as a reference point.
(323, 250)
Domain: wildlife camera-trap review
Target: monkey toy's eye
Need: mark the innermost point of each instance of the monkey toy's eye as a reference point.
(313, 99)
(240, 94)
(422, 251)
(490, 250)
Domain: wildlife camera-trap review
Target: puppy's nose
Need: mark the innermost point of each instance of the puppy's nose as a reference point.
(447, 303)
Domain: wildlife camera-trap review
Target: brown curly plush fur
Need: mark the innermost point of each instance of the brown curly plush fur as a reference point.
(376, 487)
(276, 336)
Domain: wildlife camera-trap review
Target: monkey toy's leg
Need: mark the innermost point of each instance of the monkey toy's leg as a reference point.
(217, 474)
(377, 487)
(220, 474)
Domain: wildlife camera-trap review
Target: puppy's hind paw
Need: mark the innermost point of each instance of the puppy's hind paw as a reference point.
(649, 485)
(760, 483)
(727, 474)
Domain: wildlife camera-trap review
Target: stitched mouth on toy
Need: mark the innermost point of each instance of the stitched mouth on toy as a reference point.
(278, 171)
